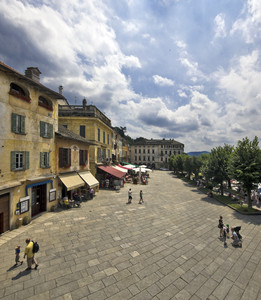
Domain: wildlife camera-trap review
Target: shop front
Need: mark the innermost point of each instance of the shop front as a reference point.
(109, 177)
(4, 213)
(71, 182)
(91, 184)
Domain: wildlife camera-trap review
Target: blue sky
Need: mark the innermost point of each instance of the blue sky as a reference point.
(183, 69)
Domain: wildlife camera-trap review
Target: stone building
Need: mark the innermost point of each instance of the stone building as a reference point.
(155, 152)
(28, 120)
(89, 122)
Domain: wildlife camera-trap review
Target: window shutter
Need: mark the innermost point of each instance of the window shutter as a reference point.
(86, 157)
(27, 164)
(80, 157)
(60, 157)
(41, 128)
(69, 158)
(50, 131)
(13, 127)
(13, 162)
(23, 124)
(41, 159)
(48, 159)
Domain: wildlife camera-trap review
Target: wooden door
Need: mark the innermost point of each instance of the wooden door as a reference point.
(4, 213)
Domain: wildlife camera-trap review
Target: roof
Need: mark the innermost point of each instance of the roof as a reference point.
(157, 142)
(8, 70)
(112, 171)
(65, 133)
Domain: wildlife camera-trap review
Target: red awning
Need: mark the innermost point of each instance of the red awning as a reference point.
(112, 171)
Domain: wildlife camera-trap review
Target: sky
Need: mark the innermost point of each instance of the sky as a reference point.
(188, 70)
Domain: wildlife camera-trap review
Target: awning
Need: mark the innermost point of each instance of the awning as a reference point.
(112, 171)
(71, 180)
(120, 169)
(89, 179)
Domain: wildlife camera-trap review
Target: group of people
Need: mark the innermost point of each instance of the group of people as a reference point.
(225, 233)
(28, 253)
(130, 197)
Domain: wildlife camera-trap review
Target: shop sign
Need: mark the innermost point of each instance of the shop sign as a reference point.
(24, 204)
(52, 195)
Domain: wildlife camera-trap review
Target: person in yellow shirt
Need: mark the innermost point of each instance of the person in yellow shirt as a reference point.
(30, 255)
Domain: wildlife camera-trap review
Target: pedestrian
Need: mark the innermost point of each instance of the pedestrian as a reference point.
(220, 226)
(17, 255)
(91, 193)
(235, 238)
(224, 233)
(129, 196)
(141, 197)
(30, 255)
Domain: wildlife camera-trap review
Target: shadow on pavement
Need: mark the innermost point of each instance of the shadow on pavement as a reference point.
(21, 274)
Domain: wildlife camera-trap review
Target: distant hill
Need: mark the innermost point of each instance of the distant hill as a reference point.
(197, 153)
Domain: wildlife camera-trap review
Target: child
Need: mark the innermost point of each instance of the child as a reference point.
(17, 256)
(141, 197)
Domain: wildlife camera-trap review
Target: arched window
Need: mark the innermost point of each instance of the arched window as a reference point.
(45, 103)
(19, 92)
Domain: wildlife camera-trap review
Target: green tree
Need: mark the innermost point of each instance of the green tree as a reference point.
(188, 166)
(216, 167)
(245, 165)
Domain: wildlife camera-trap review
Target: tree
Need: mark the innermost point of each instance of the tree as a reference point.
(245, 165)
(216, 167)
(188, 166)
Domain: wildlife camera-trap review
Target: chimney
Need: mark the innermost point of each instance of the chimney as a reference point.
(33, 73)
(84, 102)
(60, 89)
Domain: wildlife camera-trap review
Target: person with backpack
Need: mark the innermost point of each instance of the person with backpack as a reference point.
(29, 251)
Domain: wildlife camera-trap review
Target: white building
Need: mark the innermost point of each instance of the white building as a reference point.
(155, 153)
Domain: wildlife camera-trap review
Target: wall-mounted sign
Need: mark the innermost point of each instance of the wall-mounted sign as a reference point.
(52, 195)
(24, 204)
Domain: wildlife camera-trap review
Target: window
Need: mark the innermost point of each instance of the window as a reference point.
(152, 151)
(44, 160)
(18, 124)
(83, 159)
(17, 91)
(19, 160)
(139, 158)
(45, 103)
(99, 134)
(161, 152)
(139, 150)
(148, 158)
(103, 137)
(64, 157)
(66, 126)
(104, 154)
(99, 155)
(166, 152)
(161, 158)
(108, 139)
(82, 130)
(135, 150)
(109, 154)
(169, 152)
(148, 150)
(135, 158)
(46, 130)
(144, 158)
(143, 150)
(152, 157)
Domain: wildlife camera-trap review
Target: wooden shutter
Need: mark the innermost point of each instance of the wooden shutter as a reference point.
(27, 163)
(50, 131)
(13, 124)
(60, 157)
(23, 124)
(42, 128)
(41, 160)
(48, 159)
(86, 157)
(13, 162)
(69, 160)
(81, 157)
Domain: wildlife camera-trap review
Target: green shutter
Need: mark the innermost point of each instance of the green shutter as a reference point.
(48, 159)
(13, 162)
(41, 160)
(60, 157)
(50, 129)
(23, 124)
(13, 127)
(27, 163)
(41, 128)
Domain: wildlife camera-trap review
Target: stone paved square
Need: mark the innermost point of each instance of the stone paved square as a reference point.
(166, 248)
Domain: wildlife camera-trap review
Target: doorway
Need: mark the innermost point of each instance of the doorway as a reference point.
(4, 213)
(38, 199)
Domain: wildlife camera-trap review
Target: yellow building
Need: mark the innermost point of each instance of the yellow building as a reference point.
(89, 122)
(28, 120)
(72, 164)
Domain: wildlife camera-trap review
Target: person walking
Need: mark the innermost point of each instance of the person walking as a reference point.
(17, 256)
(220, 226)
(30, 255)
(129, 196)
(141, 197)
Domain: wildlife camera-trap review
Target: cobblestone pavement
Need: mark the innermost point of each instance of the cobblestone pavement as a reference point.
(166, 248)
